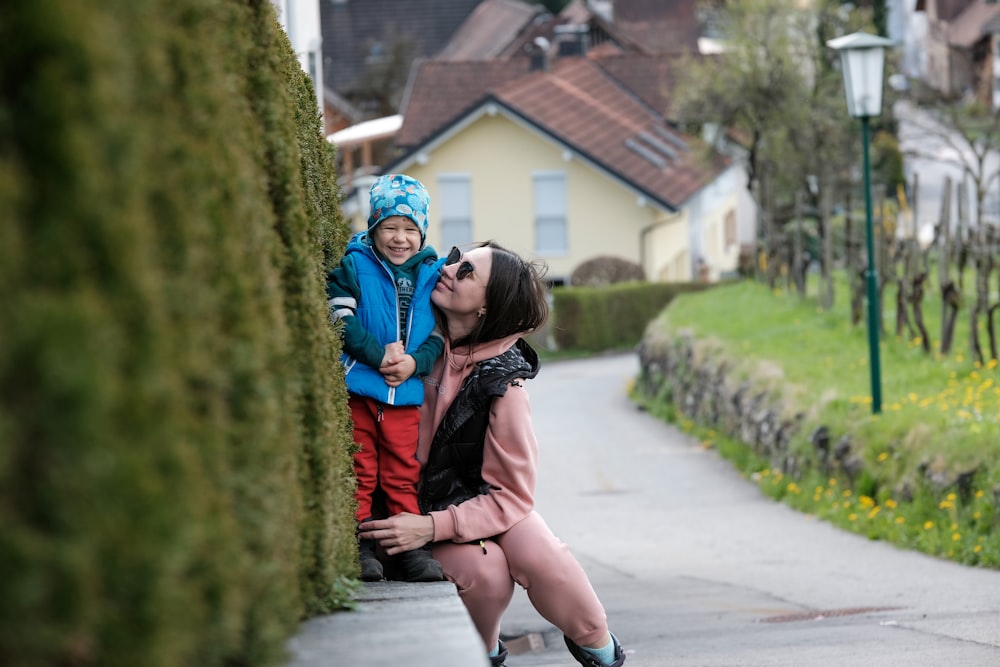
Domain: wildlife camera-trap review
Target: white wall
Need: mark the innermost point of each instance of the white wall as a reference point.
(909, 29)
(300, 19)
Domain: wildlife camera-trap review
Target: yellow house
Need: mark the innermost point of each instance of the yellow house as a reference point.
(559, 162)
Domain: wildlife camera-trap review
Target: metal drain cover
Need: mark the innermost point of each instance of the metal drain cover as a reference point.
(820, 614)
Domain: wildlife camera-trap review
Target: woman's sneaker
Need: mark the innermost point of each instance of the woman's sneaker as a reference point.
(588, 659)
(499, 660)
(417, 565)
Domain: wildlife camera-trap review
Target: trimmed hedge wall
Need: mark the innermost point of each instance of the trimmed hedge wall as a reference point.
(175, 475)
(610, 316)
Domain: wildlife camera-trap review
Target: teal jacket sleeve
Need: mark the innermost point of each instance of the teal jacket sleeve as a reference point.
(342, 293)
(427, 352)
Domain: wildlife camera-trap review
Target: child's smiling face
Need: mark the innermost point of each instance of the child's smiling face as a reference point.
(397, 238)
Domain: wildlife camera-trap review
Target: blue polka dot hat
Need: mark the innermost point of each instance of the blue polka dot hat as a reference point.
(399, 194)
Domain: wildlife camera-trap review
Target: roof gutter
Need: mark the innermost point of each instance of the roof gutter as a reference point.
(644, 234)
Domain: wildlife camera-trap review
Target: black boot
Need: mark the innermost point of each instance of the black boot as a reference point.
(417, 565)
(371, 567)
(499, 660)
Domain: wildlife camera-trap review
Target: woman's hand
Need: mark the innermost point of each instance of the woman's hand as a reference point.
(399, 533)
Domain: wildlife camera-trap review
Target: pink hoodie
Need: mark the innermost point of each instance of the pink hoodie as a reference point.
(510, 451)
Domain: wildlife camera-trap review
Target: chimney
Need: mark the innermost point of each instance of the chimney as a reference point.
(572, 39)
(539, 50)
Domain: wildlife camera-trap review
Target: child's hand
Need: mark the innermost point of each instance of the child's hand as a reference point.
(393, 353)
(397, 373)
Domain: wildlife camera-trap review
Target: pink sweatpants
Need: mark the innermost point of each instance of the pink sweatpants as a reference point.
(530, 554)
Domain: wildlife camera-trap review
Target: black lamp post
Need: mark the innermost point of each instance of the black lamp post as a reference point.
(862, 59)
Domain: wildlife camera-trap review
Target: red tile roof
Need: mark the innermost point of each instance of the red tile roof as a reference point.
(651, 78)
(967, 28)
(659, 26)
(438, 91)
(576, 103)
(490, 30)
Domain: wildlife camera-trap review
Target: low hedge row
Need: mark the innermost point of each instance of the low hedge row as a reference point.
(608, 317)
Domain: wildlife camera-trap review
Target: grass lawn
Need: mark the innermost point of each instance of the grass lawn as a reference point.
(940, 415)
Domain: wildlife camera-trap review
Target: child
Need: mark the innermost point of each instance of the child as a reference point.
(381, 292)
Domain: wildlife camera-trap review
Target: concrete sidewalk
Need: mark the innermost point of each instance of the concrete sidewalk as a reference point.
(395, 624)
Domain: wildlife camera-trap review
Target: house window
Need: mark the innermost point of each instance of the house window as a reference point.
(550, 212)
(729, 227)
(455, 204)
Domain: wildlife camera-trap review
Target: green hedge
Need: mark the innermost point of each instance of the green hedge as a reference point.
(175, 482)
(609, 317)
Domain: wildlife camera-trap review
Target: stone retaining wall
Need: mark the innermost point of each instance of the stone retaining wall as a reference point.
(697, 384)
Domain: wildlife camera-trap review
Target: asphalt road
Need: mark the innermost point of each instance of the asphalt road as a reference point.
(697, 568)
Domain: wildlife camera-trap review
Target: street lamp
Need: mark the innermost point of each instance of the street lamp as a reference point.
(862, 59)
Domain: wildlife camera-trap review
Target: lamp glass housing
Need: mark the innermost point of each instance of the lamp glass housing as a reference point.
(862, 60)
(863, 70)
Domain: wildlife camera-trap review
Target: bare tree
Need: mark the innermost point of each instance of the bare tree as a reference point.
(776, 90)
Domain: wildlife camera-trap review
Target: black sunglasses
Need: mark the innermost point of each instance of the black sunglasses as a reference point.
(464, 269)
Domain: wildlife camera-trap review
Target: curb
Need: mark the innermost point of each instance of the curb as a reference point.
(395, 623)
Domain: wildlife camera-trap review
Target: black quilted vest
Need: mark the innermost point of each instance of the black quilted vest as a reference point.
(453, 472)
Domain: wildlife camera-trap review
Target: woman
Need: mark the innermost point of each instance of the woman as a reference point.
(480, 454)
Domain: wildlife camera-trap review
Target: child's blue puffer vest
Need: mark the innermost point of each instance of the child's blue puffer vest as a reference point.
(378, 313)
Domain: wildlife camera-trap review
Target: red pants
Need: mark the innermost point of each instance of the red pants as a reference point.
(387, 435)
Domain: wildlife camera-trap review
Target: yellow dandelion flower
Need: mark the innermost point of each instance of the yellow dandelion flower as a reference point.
(977, 548)
(883, 456)
(866, 501)
(976, 515)
(890, 503)
(946, 505)
(833, 481)
(956, 537)
(852, 516)
(846, 493)
(979, 493)
(874, 512)
(928, 525)
(900, 519)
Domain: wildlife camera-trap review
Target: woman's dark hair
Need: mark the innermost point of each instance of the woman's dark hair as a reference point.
(516, 297)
